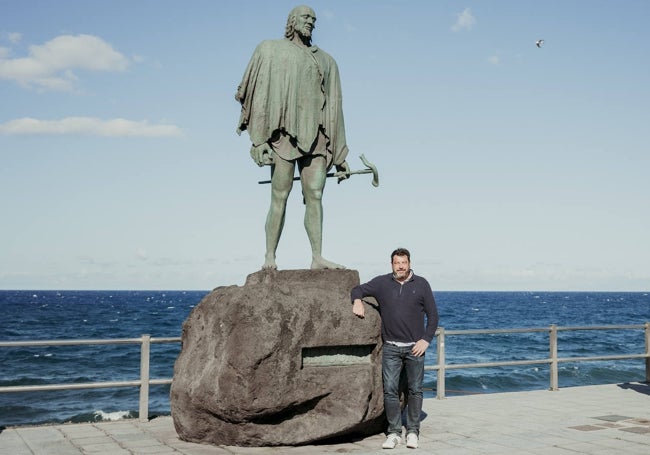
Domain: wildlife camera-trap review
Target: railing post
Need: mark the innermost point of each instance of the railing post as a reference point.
(553, 357)
(440, 386)
(647, 352)
(144, 378)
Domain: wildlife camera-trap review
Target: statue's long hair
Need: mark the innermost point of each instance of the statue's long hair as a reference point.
(290, 29)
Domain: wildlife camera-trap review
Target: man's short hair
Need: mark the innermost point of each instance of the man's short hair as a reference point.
(400, 252)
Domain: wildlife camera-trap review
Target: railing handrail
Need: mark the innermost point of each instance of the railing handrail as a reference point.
(542, 329)
(553, 360)
(73, 342)
(146, 340)
(145, 343)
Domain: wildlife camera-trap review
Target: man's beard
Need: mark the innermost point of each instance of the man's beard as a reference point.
(402, 275)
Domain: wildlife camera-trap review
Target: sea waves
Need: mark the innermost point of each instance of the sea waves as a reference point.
(62, 315)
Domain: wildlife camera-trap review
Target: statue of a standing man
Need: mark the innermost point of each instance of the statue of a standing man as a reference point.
(292, 108)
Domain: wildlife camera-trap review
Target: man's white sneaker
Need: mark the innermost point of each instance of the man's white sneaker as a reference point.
(391, 441)
(412, 441)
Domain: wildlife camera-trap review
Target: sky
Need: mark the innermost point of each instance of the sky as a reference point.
(503, 166)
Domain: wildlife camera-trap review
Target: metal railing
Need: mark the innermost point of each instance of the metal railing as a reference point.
(441, 367)
(144, 382)
(553, 360)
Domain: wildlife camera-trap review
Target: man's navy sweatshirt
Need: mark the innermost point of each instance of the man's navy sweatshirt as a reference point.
(402, 307)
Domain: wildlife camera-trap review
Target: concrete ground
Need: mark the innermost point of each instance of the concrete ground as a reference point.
(595, 420)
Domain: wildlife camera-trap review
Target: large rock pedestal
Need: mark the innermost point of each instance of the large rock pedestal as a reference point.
(279, 361)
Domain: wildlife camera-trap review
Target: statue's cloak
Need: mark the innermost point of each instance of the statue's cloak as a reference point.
(295, 90)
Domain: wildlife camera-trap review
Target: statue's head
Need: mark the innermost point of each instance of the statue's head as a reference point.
(301, 20)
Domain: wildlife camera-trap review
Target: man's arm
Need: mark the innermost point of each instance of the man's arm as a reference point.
(361, 291)
(431, 310)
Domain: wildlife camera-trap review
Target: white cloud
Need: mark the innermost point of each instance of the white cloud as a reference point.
(89, 126)
(465, 21)
(14, 37)
(50, 66)
(494, 59)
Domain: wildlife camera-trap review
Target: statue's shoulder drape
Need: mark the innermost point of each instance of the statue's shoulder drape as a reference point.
(296, 90)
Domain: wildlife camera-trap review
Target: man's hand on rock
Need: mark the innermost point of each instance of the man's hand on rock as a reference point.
(358, 308)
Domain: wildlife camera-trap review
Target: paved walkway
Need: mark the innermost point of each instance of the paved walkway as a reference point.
(595, 420)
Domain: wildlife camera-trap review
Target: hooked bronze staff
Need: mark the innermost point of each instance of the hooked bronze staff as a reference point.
(370, 169)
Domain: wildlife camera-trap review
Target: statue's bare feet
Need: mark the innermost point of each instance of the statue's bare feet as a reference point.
(321, 263)
(269, 263)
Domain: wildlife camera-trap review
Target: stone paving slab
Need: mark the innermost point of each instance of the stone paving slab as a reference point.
(594, 420)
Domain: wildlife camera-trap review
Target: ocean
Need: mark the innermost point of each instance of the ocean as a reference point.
(61, 315)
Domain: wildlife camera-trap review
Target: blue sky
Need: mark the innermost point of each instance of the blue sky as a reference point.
(503, 166)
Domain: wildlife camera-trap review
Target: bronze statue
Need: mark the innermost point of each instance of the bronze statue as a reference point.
(292, 109)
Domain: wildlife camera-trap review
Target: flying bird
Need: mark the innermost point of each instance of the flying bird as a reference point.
(539, 42)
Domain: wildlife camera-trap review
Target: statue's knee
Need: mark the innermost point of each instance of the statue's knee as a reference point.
(280, 194)
(313, 194)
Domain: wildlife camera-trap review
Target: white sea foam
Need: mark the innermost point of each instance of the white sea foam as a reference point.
(112, 416)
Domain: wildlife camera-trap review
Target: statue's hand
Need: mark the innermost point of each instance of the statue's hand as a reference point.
(342, 171)
(261, 154)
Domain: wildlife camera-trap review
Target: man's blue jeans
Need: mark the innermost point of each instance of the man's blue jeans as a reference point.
(394, 358)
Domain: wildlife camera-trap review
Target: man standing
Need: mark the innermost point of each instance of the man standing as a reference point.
(404, 299)
(292, 108)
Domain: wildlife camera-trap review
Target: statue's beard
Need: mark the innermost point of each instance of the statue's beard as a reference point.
(305, 34)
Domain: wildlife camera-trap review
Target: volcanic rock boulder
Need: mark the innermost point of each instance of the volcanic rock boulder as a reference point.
(279, 361)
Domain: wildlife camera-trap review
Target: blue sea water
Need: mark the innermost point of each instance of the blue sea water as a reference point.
(61, 315)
